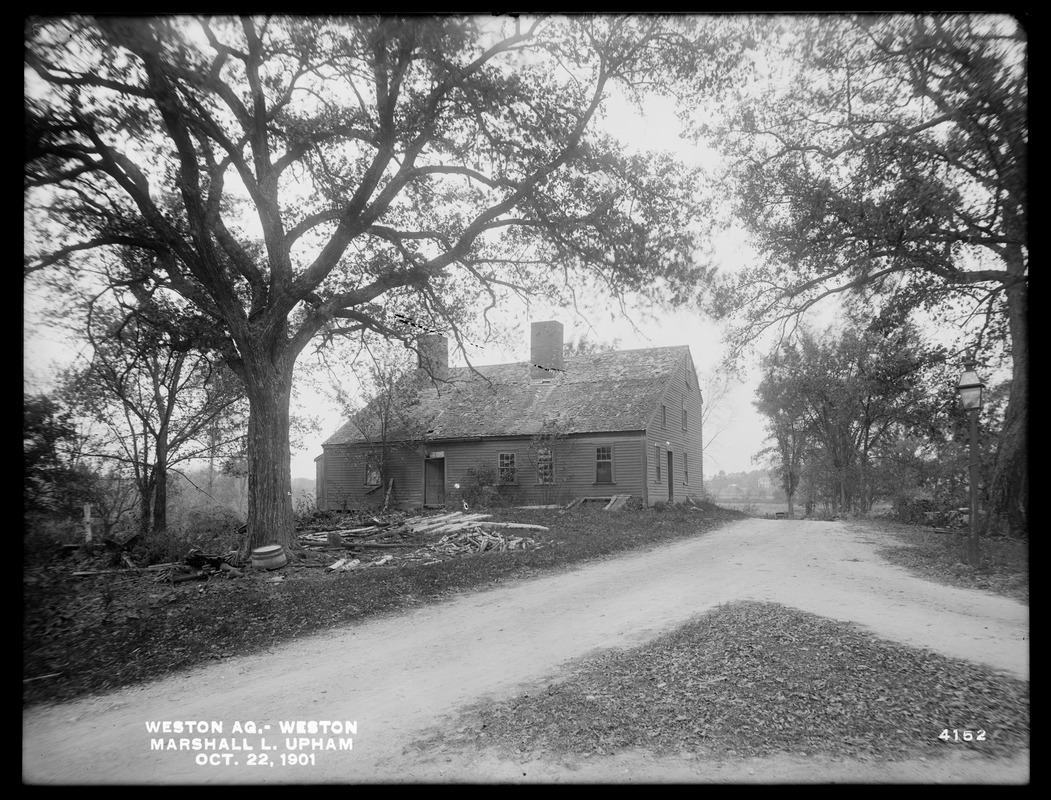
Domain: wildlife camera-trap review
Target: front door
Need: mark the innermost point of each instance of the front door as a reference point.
(434, 482)
(671, 479)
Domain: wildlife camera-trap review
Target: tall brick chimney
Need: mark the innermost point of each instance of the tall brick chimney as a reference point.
(545, 350)
(433, 360)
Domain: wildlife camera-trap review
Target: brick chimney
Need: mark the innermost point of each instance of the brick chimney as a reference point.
(433, 359)
(545, 350)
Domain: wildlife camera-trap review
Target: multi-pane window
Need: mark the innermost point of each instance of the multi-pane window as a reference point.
(657, 460)
(685, 469)
(603, 465)
(507, 467)
(545, 465)
(684, 415)
(372, 469)
(664, 416)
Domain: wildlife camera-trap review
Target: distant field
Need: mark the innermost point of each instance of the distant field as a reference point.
(763, 507)
(770, 507)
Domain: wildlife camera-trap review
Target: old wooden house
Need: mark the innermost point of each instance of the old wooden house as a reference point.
(551, 429)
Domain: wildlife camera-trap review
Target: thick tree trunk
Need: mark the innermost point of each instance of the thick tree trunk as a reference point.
(1008, 491)
(270, 518)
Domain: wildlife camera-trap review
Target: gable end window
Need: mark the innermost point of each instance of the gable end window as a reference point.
(507, 468)
(604, 465)
(684, 417)
(664, 416)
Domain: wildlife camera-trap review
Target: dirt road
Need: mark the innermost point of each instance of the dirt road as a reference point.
(385, 680)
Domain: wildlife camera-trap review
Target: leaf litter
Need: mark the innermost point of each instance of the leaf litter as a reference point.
(756, 679)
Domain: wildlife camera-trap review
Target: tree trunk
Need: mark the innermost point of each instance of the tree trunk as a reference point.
(270, 518)
(1008, 491)
(160, 487)
(145, 489)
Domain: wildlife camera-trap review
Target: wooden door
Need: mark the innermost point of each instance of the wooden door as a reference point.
(671, 479)
(434, 482)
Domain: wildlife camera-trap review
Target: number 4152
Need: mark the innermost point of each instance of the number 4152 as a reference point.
(956, 735)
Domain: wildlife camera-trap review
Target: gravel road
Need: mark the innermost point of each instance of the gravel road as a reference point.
(383, 681)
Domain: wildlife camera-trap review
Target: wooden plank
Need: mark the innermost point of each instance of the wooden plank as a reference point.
(356, 545)
(467, 521)
(515, 525)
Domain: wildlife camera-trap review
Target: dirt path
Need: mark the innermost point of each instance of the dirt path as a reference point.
(397, 675)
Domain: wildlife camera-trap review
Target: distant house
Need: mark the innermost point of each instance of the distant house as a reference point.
(765, 486)
(553, 429)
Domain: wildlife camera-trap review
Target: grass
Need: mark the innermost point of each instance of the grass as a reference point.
(98, 633)
(796, 683)
(942, 557)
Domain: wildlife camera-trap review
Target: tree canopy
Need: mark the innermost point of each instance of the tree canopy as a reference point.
(885, 161)
(289, 179)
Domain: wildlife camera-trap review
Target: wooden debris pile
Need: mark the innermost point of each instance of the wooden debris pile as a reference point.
(198, 565)
(425, 539)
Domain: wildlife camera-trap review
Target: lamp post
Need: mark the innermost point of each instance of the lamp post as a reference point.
(970, 390)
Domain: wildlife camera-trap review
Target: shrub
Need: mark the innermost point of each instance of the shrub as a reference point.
(923, 511)
(633, 503)
(480, 487)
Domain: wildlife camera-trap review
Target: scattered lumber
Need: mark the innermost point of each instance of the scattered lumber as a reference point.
(514, 525)
(356, 545)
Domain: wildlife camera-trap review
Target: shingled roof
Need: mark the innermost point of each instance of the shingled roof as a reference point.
(600, 392)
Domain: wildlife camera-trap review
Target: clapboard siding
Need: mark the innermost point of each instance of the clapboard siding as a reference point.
(342, 478)
(665, 432)
(343, 471)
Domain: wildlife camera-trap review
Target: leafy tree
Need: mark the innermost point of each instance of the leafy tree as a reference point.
(788, 421)
(55, 479)
(583, 346)
(835, 402)
(155, 402)
(297, 178)
(886, 161)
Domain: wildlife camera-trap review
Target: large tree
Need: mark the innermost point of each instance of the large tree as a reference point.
(297, 178)
(886, 160)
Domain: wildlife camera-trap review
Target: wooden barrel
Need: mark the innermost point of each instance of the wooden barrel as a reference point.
(272, 556)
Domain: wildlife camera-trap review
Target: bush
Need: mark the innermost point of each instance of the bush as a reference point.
(480, 487)
(44, 534)
(633, 503)
(923, 511)
(213, 529)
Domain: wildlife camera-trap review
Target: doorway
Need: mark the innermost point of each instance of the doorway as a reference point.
(434, 482)
(671, 479)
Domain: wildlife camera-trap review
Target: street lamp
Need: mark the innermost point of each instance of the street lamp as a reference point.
(970, 390)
